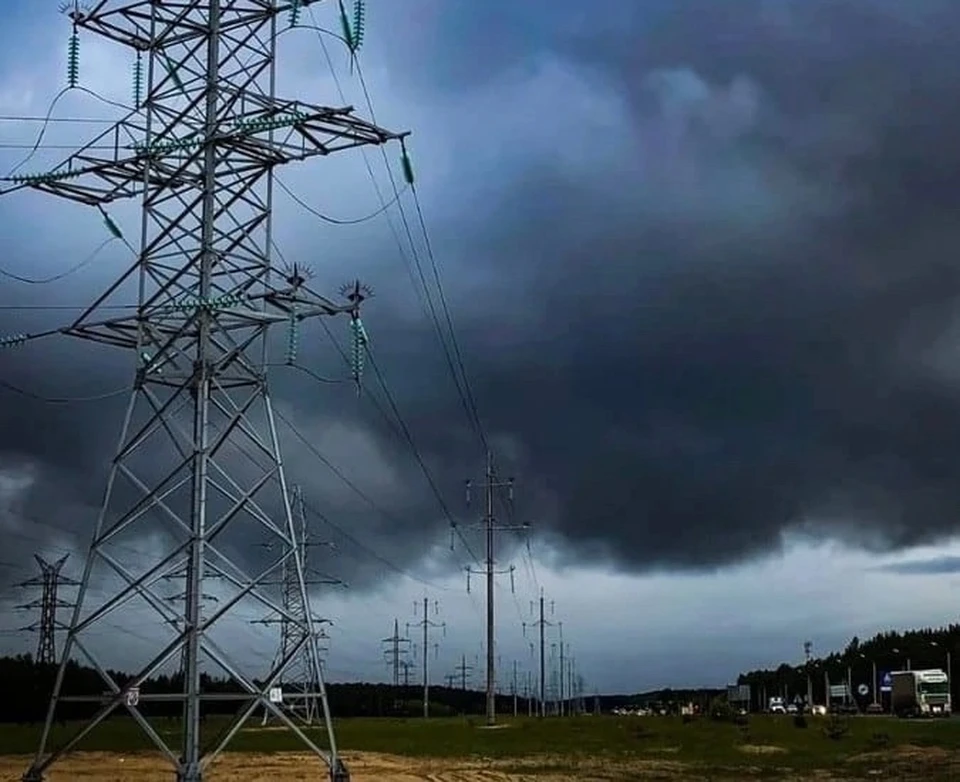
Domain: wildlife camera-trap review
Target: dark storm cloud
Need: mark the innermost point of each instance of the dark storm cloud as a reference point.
(709, 323)
(689, 383)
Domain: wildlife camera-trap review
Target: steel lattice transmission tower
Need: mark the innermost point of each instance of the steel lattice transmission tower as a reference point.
(298, 683)
(49, 580)
(198, 152)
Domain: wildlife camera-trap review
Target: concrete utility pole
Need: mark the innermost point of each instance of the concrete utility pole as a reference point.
(394, 652)
(198, 151)
(542, 623)
(528, 693)
(490, 486)
(808, 657)
(514, 688)
(50, 580)
(463, 670)
(426, 623)
(562, 669)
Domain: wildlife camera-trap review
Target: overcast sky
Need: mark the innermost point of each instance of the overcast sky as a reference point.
(701, 260)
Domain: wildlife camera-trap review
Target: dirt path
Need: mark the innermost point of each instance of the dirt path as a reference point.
(364, 767)
(903, 763)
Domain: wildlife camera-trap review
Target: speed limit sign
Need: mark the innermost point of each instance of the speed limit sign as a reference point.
(863, 690)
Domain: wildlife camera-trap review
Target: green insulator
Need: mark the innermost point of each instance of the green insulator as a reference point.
(345, 24)
(406, 164)
(73, 61)
(293, 338)
(359, 12)
(112, 226)
(137, 81)
(359, 341)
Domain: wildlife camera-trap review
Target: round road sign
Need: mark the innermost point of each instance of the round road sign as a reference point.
(863, 689)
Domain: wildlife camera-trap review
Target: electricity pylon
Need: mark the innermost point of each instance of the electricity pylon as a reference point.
(199, 150)
(297, 685)
(491, 527)
(542, 623)
(50, 580)
(426, 624)
(395, 651)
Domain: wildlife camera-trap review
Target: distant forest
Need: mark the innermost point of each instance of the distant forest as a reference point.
(27, 684)
(885, 652)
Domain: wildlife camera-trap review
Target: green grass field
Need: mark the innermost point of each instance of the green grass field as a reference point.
(703, 744)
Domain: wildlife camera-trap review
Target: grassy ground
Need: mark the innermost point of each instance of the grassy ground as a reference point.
(767, 746)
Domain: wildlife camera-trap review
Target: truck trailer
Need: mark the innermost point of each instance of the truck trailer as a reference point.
(920, 693)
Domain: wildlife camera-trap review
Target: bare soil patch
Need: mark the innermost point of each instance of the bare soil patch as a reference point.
(364, 767)
(903, 763)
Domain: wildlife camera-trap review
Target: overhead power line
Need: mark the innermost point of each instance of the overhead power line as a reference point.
(460, 380)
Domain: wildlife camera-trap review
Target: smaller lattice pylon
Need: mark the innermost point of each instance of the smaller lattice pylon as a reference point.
(50, 580)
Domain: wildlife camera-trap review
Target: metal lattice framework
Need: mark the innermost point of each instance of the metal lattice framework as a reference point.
(199, 153)
(298, 683)
(50, 580)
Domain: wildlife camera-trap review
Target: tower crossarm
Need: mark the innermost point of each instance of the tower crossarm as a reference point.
(168, 157)
(132, 23)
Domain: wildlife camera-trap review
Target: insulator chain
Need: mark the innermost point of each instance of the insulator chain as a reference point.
(359, 344)
(353, 33)
(73, 60)
(209, 305)
(359, 22)
(13, 340)
(294, 13)
(293, 337)
(138, 81)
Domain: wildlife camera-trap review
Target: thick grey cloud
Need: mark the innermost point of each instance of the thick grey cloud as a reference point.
(934, 566)
(700, 257)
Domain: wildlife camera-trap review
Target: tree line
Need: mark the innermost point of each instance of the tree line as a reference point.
(860, 664)
(27, 685)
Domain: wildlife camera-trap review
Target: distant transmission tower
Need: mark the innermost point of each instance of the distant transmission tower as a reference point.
(542, 623)
(395, 653)
(49, 580)
(491, 527)
(298, 684)
(199, 454)
(463, 672)
(426, 624)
